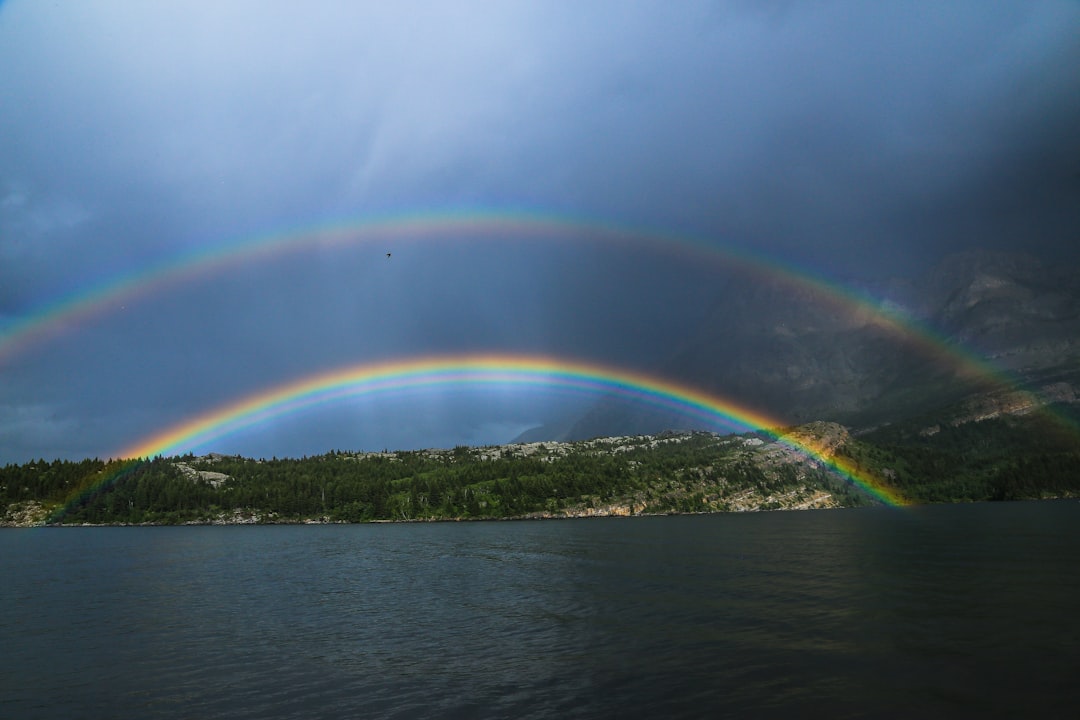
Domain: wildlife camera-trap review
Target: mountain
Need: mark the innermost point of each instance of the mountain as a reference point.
(974, 329)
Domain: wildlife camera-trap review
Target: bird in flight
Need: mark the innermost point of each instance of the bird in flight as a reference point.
(387, 254)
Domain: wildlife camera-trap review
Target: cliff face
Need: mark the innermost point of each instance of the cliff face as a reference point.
(801, 354)
(1011, 309)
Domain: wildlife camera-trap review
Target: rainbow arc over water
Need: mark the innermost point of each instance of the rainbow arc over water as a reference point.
(510, 226)
(502, 226)
(358, 381)
(498, 225)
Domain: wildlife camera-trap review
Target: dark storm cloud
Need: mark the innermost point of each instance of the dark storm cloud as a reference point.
(856, 139)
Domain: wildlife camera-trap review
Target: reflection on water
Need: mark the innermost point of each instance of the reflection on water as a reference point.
(944, 611)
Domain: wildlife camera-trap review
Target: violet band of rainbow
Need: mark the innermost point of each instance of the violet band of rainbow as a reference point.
(357, 381)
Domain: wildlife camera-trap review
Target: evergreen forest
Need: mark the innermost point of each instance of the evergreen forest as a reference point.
(1008, 458)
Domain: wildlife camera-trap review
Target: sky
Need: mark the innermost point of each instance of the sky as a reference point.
(455, 177)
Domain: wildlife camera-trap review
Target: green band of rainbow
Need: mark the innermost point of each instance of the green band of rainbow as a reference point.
(497, 225)
(500, 225)
(367, 379)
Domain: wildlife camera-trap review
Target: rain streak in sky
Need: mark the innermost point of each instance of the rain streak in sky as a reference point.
(203, 201)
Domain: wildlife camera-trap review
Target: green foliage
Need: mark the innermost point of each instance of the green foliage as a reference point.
(1004, 459)
(461, 483)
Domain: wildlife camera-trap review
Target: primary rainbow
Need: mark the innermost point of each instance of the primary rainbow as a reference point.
(511, 225)
(459, 370)
(498, 225)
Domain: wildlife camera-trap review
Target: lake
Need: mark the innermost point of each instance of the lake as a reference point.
(937, 611)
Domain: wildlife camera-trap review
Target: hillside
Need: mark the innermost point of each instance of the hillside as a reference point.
(1000, 458)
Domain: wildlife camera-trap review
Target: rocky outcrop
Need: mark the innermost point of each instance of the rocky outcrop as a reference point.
(214, 478)
(25, 514)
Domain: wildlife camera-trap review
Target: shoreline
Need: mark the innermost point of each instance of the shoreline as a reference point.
(408, 521)
(5, 525)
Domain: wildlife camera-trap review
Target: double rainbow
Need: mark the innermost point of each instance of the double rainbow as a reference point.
(511, 226)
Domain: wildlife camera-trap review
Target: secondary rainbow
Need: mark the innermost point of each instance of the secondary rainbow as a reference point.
(512, 225)
(506, 225)
(465, 370)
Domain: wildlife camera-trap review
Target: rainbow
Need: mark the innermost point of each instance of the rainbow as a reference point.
(69, 312)
(466, 370)
(496, 225)
(510, 225)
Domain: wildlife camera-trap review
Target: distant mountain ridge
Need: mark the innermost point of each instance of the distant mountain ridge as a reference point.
(800, 355)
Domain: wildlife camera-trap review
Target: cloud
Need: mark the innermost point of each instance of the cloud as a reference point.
(855, 139)
(36, 431)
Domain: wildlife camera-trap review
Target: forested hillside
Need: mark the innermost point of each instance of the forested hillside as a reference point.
(677, 472)
(1001, 459)
(1011, 457)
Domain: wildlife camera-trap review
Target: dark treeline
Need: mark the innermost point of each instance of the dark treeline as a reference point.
(683, 473)
(1004, 459)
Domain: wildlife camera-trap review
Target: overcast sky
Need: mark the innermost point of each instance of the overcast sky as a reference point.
(851, 140)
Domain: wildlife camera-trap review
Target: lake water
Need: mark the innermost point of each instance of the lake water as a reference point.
(940, 611)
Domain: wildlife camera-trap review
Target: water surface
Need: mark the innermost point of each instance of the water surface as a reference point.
(940, 611)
